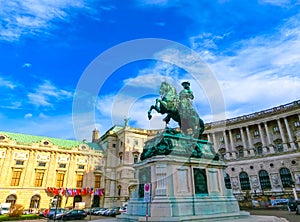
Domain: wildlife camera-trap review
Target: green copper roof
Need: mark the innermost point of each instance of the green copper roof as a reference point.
(27, 139)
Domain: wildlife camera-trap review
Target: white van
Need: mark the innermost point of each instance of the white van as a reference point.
(4, 208)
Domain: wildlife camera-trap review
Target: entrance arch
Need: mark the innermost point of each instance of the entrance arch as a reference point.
(96, 201)
(35, 201)
(11, 199)
(77, 199)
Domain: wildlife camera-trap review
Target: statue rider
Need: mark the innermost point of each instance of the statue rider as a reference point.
(185, 97)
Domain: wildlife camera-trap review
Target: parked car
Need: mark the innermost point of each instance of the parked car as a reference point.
(298, 209)
(123, 210)
(4, 208)
(101, 211)
(53, 211)
(114, 211)
(292, 204)
(72, 215)
(96, 210)
(42, 211)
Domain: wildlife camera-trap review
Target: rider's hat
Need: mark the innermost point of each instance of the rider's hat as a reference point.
(185, 83)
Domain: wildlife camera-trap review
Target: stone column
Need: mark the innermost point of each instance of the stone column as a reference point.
(214, 141)
(29, 176)
(8, 162)
(269, 138)
(243, 138)
(208, 138)
(51, 170)
(233, 150)
(289, 133)
(285, 148)
(226, 141)
(262, 138)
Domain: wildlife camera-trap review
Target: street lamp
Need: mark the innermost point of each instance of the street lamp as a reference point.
(57, 202)
(294, 190)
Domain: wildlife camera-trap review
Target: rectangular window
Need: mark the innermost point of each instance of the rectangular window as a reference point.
(42, 164)
(62, 165)
(15, 180)
(19, 162)
(296, 123)
(221, 139)
(275, 129)
(39, 176)
(79, 180)
(256, 133)
(135, 158)
(241, 153)
(97, 181)
(81, 167)
(238, 136)
(60, 179)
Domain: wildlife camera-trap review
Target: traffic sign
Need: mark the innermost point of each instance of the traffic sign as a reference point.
(147, 196)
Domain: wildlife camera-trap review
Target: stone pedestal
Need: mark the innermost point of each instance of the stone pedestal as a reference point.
(187, 183)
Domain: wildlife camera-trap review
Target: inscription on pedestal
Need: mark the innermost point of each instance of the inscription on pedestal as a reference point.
(200, 181)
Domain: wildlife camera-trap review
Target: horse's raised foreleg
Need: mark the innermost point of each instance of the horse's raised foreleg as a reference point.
(150, 110)
(155, 107)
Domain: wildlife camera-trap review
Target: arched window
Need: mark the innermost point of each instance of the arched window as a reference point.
(240, 150)
(244, 181)
(135, 158)
(264, 179)
(278, 145)
(119, 190)
(11, 199)
(258, 148)
(35, 201)
(227, 181)
(286, 177)
(121, 158)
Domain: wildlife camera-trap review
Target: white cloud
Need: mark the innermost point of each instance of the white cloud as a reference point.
(258, 73)
(31, 17)
(277, 2)
(7, 83)
(28, 115)
(26, 65)
(46, 94)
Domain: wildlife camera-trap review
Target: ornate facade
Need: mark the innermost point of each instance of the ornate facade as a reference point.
(38, 172)
(260, 149)
(123, 147)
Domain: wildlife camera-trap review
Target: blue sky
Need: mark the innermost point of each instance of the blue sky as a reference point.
(251, 50)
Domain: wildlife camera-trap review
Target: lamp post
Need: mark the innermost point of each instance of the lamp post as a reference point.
(57, 201)
(294, 190)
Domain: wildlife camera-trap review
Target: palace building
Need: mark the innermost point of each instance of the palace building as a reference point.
(40, 172)
(261, 151)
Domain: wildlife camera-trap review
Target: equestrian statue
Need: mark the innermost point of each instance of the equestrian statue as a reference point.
(179, 107)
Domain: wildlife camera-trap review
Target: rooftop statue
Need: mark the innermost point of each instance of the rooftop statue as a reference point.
(179, 107)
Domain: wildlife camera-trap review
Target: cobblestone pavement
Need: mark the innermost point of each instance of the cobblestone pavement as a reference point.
(282, 213)
(279, 212)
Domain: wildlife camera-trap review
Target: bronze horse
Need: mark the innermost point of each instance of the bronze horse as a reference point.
(170, 104)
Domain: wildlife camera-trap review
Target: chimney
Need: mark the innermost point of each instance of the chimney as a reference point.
(95, 135)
